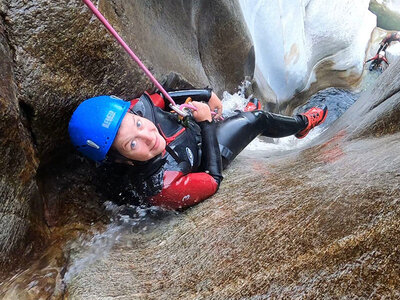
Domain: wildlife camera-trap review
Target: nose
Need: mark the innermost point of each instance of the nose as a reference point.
(146, 136)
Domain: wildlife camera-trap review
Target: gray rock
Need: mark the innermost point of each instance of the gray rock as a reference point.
(376, 112)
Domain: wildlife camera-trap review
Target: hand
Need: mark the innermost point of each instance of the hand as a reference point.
(215, 104)
(202, 113)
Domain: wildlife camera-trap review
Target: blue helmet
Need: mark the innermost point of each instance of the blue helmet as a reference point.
(94, 125)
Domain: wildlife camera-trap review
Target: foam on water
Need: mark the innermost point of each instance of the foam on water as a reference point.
(237, 101)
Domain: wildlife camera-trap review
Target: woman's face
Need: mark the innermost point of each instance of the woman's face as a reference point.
(138, 138)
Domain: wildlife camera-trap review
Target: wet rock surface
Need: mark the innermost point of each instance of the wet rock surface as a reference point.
(21, 228)
(387, 12)
(318, 223)
(376, 112)
(308, 46)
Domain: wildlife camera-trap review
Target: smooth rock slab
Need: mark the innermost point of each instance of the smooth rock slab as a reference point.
(323, 222)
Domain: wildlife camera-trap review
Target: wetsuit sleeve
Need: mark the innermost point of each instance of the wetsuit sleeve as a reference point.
(211, 161)
(181, 191)
(197, 95)
(385, 60)
(372, 58)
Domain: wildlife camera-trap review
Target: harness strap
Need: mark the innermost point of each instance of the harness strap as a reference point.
(173, 154)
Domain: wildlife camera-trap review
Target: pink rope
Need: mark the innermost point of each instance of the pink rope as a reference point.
(187, 106)
(127, 49)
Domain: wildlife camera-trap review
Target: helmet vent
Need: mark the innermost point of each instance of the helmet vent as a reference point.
(92, 144)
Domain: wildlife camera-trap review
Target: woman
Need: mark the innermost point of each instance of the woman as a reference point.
(171, 162)
(377, 61)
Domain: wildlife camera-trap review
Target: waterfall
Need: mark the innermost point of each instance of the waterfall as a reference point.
(291, 38)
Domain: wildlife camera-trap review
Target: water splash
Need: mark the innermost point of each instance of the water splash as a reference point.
(123, 218)
(237, 101)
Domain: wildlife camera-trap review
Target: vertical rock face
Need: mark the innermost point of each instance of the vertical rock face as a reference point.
(20, 214)
(387, 12)
(221, 27)
(377, 112)
(54, 55)
(297, 44)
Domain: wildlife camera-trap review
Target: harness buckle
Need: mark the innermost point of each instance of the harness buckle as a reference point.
(179, 111)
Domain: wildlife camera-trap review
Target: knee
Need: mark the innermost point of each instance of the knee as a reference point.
(253, 116)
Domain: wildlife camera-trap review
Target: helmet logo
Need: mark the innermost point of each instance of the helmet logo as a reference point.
(92, 144)
(109, 118)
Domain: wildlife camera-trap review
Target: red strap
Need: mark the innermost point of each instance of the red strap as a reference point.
(182, 191)
(156, 98)
(171, 138)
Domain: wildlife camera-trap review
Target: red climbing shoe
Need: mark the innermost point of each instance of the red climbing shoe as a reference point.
(253, 104)
(315, 117)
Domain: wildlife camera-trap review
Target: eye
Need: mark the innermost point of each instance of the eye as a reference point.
(133, 144)
(139, 124)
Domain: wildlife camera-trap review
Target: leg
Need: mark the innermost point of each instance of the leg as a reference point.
(380, 48)
(235, 133)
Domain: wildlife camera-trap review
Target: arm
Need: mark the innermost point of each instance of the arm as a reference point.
(181, 191)
(369, 60)
(203, 95)
(180, 97)
(372, 58)
(211, 161)
(385, 60)
(386, 39)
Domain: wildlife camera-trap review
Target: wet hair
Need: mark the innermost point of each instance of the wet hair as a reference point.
(123, 180)
(125, 184)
